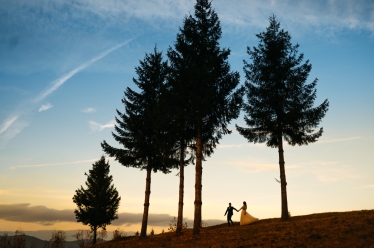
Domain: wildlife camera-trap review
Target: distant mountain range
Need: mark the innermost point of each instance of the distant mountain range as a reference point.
(38, 243)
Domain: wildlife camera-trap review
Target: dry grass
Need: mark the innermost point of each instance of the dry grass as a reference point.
(339, 229)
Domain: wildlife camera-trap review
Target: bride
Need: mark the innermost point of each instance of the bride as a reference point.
(246, 218)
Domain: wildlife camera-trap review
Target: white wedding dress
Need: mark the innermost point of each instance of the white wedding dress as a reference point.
(246, 218)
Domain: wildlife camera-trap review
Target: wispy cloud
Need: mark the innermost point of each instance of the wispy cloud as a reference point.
(89, 110)
(94, 126)
(14, 89)
(343, 13)
(258, 166)
(7, 123)
(263, 145)
(60, 81)
(330, 174)
(52, 164)
(329, 171)
(45, 107)
(242, 145)
(338, 140)
(326, 15)
(10, 128)
(4, 192)
(366, 186)
(65, 27)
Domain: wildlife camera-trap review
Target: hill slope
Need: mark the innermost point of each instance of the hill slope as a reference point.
(337, 229)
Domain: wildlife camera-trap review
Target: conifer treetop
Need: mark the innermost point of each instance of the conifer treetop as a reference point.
(279, 101)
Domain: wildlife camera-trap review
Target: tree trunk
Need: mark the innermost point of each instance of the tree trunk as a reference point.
(143, 232)
(94, 234)
(198, 185)
(181, 190)
(283, 181)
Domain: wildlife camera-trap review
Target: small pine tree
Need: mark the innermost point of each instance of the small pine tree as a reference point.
(98, 204)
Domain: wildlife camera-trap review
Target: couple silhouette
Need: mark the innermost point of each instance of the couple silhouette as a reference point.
(245, 218)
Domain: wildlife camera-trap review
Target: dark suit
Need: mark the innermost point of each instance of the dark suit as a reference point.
(229, 212)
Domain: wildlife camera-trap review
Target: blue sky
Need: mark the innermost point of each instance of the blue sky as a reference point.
(64, 66)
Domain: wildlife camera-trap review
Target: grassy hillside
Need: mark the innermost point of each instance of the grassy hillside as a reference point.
(338, 229)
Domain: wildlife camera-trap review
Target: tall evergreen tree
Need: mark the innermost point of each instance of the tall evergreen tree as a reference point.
(183, 136)
(142, 129)
(202, 78)
(280, 102)
(98, 204)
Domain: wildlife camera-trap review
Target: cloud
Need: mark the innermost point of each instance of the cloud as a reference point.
(338, 140)
(263, 145)
(54, 164)
(325, 15)
(89, 110)
(329, 171)
(23, 212)
(343, 13)
(367, 186)
(4, 192)
(10, 128)
(330, 174)
(7, 123)
(257, 167)
(45, 107)
(60, 81)
(54, 86)
(323, 171)
(14, 89)
(52, 34)
(94, 126)
(242, 145)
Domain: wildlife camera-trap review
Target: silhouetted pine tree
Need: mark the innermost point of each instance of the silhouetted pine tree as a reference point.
(142, 129)
(99, 202)
(280, 102)
(205, 85)
(181, 131)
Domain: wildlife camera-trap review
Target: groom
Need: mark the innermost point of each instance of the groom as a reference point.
(229, 212)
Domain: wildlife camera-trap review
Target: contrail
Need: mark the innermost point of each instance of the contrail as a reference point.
(60, 81)
(338, 140)
(54, 164)
(43, 165)
(7, 124)
(55, 85)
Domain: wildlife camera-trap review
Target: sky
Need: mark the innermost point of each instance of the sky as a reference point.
(64, 67)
